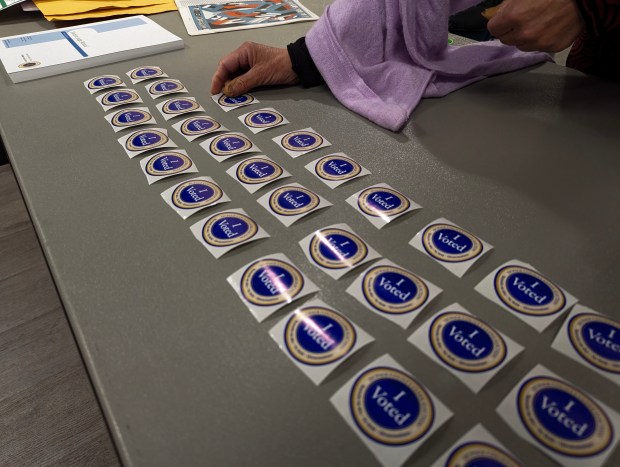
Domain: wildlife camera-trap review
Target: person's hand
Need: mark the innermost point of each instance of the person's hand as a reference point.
(537, 25)
(250, 66)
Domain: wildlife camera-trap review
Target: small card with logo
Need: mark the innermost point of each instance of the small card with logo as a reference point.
(291, 202)
(118, 96)
(454, 248)
(563, 421)
(317, 339)
(230, 103)
(393, 292)
(227, 230)
(141, 141)
(270, 283)
(99, 83)
(389, 410)
(477, 447)
(298, 143)
(142, 73)
(263, 119)
(591, 339)
(163, 87)
(227, 145)
(196, 194)
(465, 345)
(336, 169)
(200, 125)
(381, 204)
(256, 172)
(130, 117)
(337, 250)
(522, 290)
(178, 106)
(166, 164)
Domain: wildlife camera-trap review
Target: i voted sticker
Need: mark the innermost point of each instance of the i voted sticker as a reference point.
(195, 127)
(128, 118)
(393, 292)
(318, 338)
(337, 250)
(228, 145)
(269, 283)
(290, 203)
(229, 103)
(142, 141)
(192, 196)
(227, 230)
(529, 295)
(256, 172)
(145, 72)
(560, 419)
(178, 106)
(381, 204)
(336, 169)
(389, 410)
(263, 119)
(298, 143)
(591, 339)
(167, 164)
(164, 87)
(117, 97)
(103, 82)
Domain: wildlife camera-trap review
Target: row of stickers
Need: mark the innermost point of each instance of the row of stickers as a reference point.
(385, 405)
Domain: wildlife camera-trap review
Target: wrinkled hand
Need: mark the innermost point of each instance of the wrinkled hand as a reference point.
(250, 66)
(531, 25)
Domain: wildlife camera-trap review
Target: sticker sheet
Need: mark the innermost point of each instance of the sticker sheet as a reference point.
(522, 290)
(317, 339)
(230, 103)
(270, 283)
(263, 119)
(117, 97)
(591, 339)
(381, 204)
(167, 164)
(337, 250)
(191, 196)
(393, 293)
(142, 73)
(141, 141)
(291, 202)
(389, 410)
(197, 126)
(256, 172)
(465, 345)
(563, 421)
(130, 117)
(453, 247)
(298, 143)
(227, 145)
(164, 87)
(178, 106)
(336, 169)
(99, 83)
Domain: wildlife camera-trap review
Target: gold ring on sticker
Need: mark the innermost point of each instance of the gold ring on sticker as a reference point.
(123, 96)
(179, 106)
(168, 163)
(390, 407)
(466, 343)
(527, 291)
(596, 338)
(382, 202)
(228, 228)
(394, 290)
(318, 336)
(263, 119)
(563, 418)
(191, 194)
(301, 141)
(104, 81)
(229, 144)
(480, 453)
(258, 170)
(29, 64)
(271, 282)
(449, 243)
(226, 101)
(335, 248)
(332, 168)
(199, 126)
(165, 86)
(146, 72)
(130, 117)
(293, 201)
(143, 140)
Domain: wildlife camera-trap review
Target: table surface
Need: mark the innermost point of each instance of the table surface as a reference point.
(186, 376)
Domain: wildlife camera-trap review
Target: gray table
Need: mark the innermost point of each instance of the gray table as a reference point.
(186, 376)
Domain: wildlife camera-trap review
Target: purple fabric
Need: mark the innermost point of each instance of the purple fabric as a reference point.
(380, 57)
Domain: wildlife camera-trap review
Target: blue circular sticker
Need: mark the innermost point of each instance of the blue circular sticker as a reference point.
(228, 228)
(194, 194)
(103, 82)
(335, 248)
(168, 163)
(229, 144)
(480, 454)
(293, 201)
(226, 101)
(390, 407)
(263, 119)
(196, 126)
(145, 139)
(393, 290)
(270, 282)
(596, 339)
(179, 106)
(258, 170)
(563, 418)
(382, 202)
(166, 86)
(124, 96)
(302, 141)
(130, 117)
(449, 243)
(146, 72)
(337, 168)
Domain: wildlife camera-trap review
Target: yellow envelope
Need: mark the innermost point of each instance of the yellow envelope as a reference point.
(65, 10)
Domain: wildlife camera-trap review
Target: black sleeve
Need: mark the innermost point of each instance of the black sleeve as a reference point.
(303, 64)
